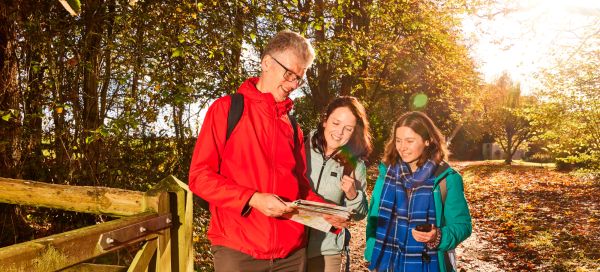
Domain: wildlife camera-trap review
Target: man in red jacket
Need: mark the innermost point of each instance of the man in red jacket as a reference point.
(246, 177)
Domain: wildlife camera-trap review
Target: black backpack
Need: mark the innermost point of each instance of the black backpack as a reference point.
(233, 117)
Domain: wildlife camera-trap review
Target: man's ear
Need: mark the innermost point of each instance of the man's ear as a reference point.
(427, 143)
(264, 65)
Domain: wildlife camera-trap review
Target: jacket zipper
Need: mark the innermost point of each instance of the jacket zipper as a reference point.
(410, 192)
(273, 183)
(320, 174)
(325, 160)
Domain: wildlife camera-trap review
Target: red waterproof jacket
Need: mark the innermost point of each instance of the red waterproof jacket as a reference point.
(258, 157)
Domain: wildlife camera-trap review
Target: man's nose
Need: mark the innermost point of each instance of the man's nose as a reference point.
(295, 84)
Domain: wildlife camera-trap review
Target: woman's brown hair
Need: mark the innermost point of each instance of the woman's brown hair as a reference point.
(359, 146)
(421, 124)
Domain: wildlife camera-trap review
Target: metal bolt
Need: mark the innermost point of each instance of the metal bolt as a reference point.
(110, 240)
(168, 221)
(142, 229)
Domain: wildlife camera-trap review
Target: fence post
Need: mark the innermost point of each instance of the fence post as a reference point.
(176, 244)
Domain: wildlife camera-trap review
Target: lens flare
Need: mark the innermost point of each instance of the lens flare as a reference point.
(347, 160)
(419, 101)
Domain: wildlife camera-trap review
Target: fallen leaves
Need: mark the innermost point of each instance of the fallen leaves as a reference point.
(538, 218)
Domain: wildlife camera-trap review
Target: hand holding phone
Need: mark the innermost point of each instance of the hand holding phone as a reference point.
(424, 228)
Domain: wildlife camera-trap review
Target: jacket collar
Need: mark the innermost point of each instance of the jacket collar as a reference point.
(249, 90)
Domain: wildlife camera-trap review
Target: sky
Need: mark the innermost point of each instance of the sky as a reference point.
(524, 39)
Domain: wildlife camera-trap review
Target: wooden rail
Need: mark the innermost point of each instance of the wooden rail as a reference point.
(161, 218)
(87, 199)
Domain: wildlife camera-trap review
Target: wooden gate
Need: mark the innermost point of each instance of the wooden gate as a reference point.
(161, 218)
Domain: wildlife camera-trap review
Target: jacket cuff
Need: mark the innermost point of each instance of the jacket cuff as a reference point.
(360, 195)
(246, 210)
(436, 242)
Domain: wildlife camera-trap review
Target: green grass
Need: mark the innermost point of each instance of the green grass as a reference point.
(549, 165)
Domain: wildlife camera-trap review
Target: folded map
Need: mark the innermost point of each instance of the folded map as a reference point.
(310, 213)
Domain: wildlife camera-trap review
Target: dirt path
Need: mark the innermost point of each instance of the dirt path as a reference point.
(474, 254)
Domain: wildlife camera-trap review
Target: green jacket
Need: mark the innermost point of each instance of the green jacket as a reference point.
(328, 176)
(452, 218)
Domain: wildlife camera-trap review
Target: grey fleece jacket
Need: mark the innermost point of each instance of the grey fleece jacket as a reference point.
(330, 175)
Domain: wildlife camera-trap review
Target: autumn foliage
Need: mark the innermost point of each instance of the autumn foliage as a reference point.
(537, 219)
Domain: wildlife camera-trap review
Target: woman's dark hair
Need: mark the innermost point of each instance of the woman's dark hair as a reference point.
(359, 146)
(421, 124)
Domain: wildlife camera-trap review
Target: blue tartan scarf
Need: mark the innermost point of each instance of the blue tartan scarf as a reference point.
(395, 248)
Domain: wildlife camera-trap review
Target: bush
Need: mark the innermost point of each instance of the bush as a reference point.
(540, 158)
(580, 161)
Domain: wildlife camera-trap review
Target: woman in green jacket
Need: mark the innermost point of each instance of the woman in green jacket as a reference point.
(452, 218)
(335, 168)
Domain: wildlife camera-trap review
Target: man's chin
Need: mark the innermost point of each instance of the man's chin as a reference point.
(285, 93)
(279, 98)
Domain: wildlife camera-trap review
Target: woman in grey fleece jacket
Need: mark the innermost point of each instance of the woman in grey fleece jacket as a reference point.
(335, 152)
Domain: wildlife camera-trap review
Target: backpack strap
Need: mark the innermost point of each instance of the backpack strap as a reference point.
(237, 109)
(295, 127)
(235, 112)
(443, 189)
(346, 248)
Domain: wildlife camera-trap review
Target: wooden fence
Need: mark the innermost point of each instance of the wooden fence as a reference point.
(160, 218)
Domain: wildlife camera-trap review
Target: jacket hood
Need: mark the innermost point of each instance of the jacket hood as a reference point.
(249, 90)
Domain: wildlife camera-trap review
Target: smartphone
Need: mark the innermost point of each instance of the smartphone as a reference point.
(424, 227)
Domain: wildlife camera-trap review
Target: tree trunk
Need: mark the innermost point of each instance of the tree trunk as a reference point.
(508, 150)
(14, 229)
(342, 29)
(231, 75)
(236, 48)
(107, 60)
(10, 131)
(93, 18)
(320, 93)
(33, 112)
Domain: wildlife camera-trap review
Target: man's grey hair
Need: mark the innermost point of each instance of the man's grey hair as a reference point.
(287, 39)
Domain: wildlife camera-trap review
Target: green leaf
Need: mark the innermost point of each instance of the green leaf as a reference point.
(177, 52)
(89, 139)
(6, 117)
(253, 36)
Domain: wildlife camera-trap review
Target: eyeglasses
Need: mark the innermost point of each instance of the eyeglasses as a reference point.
(289, 75)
